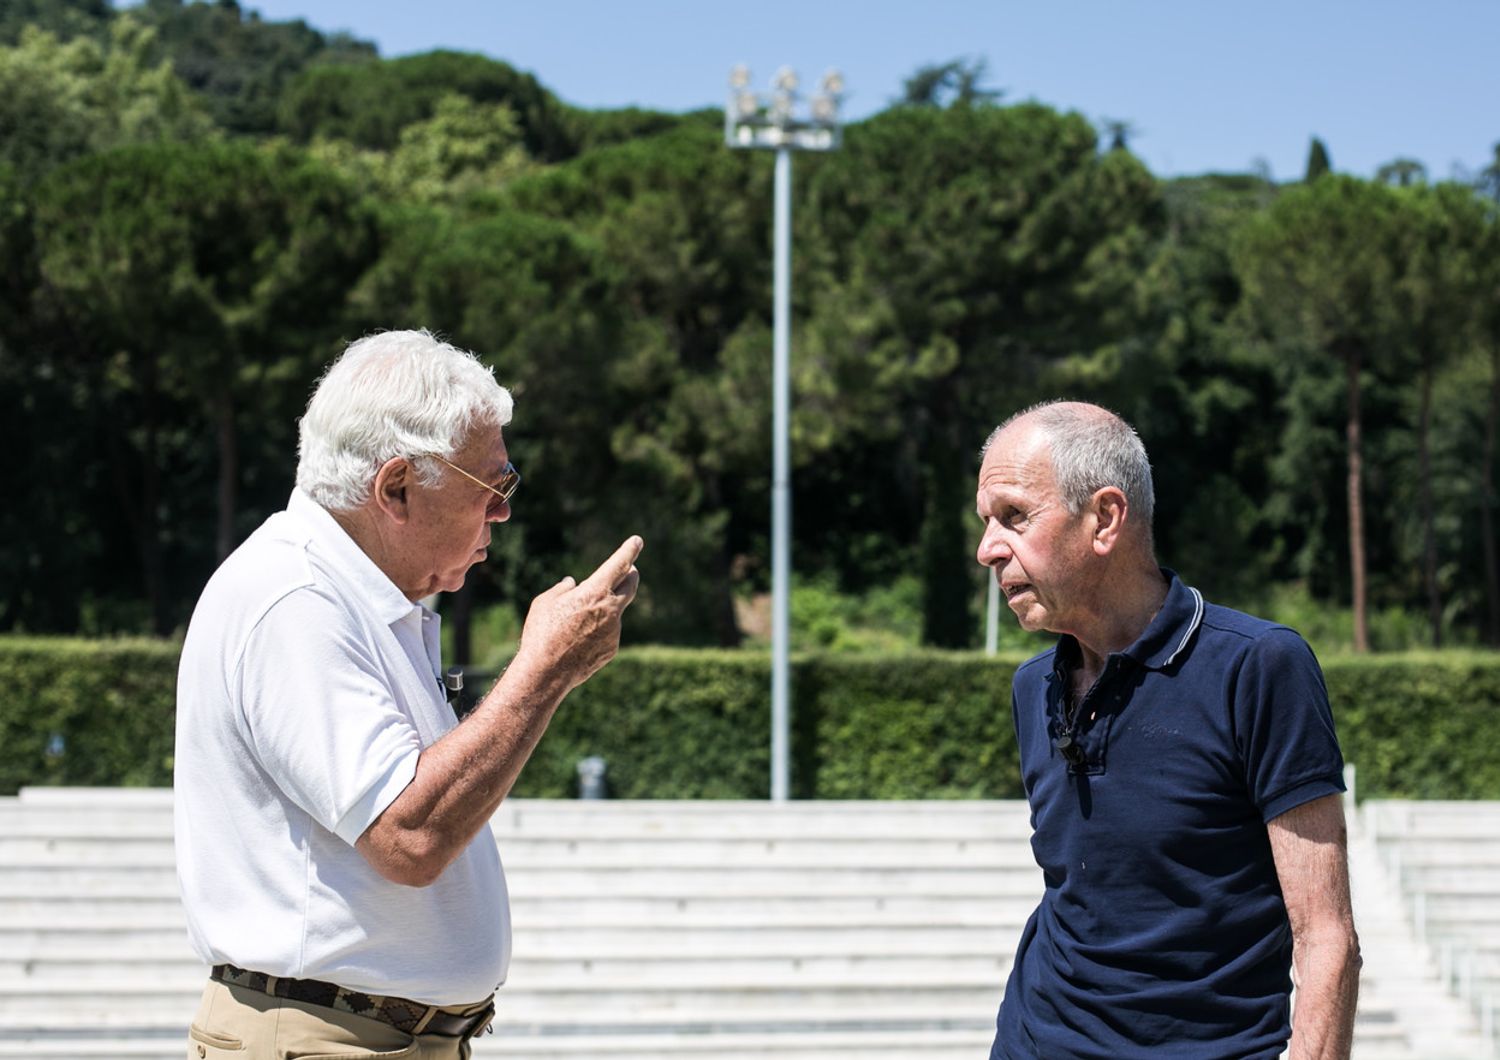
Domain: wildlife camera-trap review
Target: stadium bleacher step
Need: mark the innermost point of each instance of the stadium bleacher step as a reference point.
(704, 930)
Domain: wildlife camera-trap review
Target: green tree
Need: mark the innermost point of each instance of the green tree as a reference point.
(958, 82)
(592, 129)
(239, 63)
(462, 145)
(62, 100)
(1118, 132)
(1402, 173)
(369, 104)
(1489, 185)
(1487, 281)
(961, 263)
(1488, 181)
(464, 151)
(1317, 273)
(36, 589)
(65, 19)
(1203, 400)
(683, 225)
(1435, 298)
(530, 296)
(195, 282)
(1317, 161)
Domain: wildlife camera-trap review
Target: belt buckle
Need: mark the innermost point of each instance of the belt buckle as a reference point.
(485, 1019)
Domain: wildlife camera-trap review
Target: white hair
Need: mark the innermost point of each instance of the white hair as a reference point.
(1091, 448)
(392, 394)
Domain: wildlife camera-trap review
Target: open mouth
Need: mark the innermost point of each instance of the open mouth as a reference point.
(1013, 591)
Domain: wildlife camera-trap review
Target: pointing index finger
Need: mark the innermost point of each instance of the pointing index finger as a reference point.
(613, 570)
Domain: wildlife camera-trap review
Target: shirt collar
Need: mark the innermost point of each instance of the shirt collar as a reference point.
(1171, 631)
(349, 561)
(1166, 637)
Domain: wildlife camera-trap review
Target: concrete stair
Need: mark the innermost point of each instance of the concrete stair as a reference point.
(1400, 977)
(686, 931)
(1440, 862)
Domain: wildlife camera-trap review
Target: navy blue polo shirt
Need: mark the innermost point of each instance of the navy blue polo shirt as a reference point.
(1162, 932)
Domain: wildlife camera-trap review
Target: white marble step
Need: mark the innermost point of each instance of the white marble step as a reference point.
(601, 968)
(685, 930)
(1399, 974)
(155, 847)
(742, 881)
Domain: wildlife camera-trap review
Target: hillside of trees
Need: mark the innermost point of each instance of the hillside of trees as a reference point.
(199, 208)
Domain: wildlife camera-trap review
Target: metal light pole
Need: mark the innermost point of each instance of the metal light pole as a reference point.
(770, 124)
(991, 615)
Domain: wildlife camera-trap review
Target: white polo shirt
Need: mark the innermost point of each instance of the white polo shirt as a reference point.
(308, 686)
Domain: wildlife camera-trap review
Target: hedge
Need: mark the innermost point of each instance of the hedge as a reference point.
(86, 712)
(695, 724)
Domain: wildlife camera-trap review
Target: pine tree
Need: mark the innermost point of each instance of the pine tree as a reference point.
(1317, 160)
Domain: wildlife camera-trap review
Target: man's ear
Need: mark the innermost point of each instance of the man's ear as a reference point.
(392, 481)
(1111, 511)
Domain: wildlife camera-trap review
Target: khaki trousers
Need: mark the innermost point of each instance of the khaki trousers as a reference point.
(236, 1023)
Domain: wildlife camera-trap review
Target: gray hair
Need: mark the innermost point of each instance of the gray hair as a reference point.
(1091, 448)
(392, 394)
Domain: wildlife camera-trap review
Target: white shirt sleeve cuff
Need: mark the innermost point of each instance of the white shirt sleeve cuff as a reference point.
(380, 795)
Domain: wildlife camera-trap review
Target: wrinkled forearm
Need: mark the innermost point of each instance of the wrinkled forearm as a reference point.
(1327, 974)
(571, 630)
(462, 779)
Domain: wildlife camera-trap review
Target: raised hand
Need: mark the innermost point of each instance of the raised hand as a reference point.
(573, 628)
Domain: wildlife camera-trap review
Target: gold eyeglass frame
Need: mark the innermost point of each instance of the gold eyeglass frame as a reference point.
(510, 478)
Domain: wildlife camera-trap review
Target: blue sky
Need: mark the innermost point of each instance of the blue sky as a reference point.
(1208, 85)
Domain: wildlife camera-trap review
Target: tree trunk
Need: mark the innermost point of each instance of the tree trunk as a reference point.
(136, 519)
(228, 469)
(726, 623)
(142, 507)
(1429, 537)
(946, 559)
(1352, 360)
(730, 634)
(151, 557)
(1487, 502)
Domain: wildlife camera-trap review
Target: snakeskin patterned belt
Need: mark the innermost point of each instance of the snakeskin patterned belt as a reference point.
(413, 1017)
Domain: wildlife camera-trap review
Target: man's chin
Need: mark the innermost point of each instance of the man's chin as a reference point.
(1032, 619)
(455, 581)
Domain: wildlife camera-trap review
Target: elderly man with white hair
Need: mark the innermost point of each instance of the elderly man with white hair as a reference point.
(331, 812)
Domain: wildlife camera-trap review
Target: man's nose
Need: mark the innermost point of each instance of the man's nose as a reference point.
(498, 512)
(993, 547)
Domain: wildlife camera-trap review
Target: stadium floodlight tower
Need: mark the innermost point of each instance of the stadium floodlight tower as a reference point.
(772, 124)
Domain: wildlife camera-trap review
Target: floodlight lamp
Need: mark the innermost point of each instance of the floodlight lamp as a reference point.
(825, 109)
(785, 80)
(745, 104)
(739, 76)
(833, 83)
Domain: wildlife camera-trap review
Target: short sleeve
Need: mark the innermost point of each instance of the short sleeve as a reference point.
(320, 716)
(1284, 725)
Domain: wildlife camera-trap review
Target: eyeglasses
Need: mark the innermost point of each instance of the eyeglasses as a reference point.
(510, 478)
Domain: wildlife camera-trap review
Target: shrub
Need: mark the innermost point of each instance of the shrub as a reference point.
(86, 712)
(675, 723)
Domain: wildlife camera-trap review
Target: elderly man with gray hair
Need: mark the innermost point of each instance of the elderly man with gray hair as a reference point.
(331, 812)
(1183, 775)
